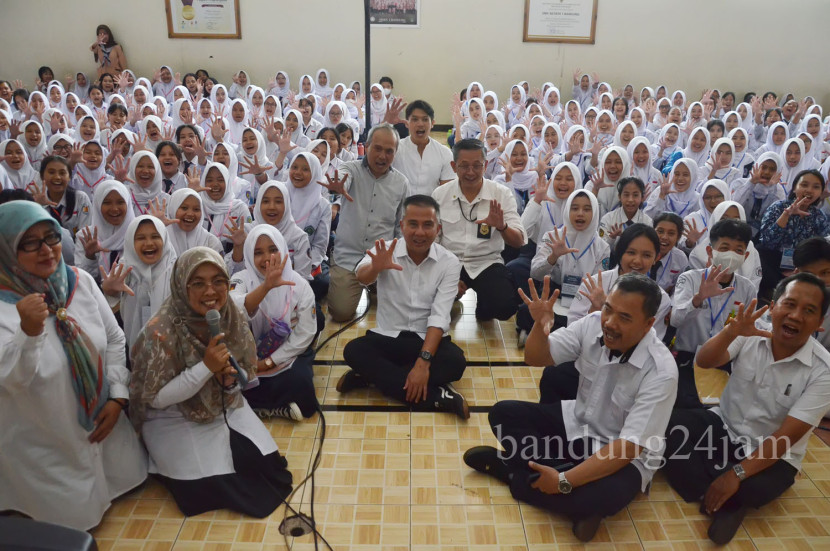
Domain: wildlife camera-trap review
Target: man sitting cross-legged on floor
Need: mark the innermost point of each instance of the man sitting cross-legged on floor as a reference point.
(410, 356)
(588, 458)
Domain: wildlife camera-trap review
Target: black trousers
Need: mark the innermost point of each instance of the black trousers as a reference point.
(559, 382)
(698, 450)
(386, 362)
(497, 297)
(294, 385)
(771, 272)
(523, 428)
(687, 396)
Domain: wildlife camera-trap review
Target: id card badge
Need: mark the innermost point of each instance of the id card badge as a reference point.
(787, 260)
(484, 231)
(570, 287)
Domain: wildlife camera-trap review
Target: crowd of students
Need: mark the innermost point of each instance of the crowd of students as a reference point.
(630, 234)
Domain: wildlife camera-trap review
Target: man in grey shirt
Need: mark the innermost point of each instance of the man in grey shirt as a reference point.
(374, 193)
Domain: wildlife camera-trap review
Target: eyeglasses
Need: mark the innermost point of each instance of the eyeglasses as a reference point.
(34, 245)
(218, 284)
(66, 147)
(476, 167)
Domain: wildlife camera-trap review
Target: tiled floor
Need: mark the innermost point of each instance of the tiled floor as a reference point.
(394, 480)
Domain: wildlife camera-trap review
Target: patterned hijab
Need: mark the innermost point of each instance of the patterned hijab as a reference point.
(175, 339)
(85, 363)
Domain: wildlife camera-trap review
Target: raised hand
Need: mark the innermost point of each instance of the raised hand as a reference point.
(558, 244)
(236, 231)
(666, 187)
(253, 167)
(383, 258)
(274, 268)
(284, 143)
(692, 234)
(508, 169)
(194, 180)
(120, 169)
(543, 163)
(595, 293)
(33, 312)
(541, 306)
(495, 217)
(598, 179)
(113, 283)
(743, 324)
(123, 82)
(337, 185)
(101, 117)
(167, 133)
(798, 208)
(140, 143)
(710, 281)
(577, 75)
(615, 231)
(217, 129)
(14, 129)
(177, 79)
(159, 210)
(91, 244)
(540, 190)
(39, 195)
(77, 154)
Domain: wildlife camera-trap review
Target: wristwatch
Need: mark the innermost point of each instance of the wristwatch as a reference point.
(564, 486)
(425, 355)
(739, 471)
(269, 363)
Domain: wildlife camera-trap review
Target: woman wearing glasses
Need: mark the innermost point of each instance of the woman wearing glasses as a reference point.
(63, 382)
(206, 444)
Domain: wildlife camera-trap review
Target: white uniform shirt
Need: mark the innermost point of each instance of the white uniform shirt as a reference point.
(459, 230)
(617, 216)
(762, 392)
(426, 171)
(580, 306)
(629, 398)
(695, 326)
(420, 295)
(669, 269)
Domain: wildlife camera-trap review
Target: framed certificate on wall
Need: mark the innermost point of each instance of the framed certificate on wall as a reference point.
(203, 18)
(573, 21)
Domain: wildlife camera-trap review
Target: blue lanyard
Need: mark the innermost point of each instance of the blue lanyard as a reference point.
(671, 204)
(550, 215)
(665, 265)
(585, 250)
(714, 319)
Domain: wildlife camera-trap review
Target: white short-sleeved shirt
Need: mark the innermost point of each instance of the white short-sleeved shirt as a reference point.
(420, 295)
(762, 392)
(630, 397)
(424, 172)
(670, 267)
(459, 231)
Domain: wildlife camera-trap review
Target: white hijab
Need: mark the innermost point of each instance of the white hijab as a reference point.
(324, 91)
(36, 152)
(552, 112)
(283, 91)
(723, 188)
(92, 177)
(527, 178)
(579, 240)
(143, 196)
(640, 172)
(236, 128)
(789, 173)
(223, 205)
(770, 144)
(145, 280)
(111, 237)
(180, 239)
(701, 156)
(305, 200)
(26, 174)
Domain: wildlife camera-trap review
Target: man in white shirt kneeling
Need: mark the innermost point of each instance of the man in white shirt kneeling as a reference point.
(410, 356)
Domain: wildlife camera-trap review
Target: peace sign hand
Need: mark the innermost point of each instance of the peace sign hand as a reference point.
(541, 306)
(383, 258)
(159, 210)
(337, 186)
(113, 283)
(595, 292)
(743, 324)
(273, 271)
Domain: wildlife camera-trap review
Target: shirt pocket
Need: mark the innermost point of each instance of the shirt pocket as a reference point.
(784, 403)
(622, 400)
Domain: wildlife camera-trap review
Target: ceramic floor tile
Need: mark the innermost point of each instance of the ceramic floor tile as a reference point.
(543, 528)
(360, 528)
(468, 527)
(676, 522)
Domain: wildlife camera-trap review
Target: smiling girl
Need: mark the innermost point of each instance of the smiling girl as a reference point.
(185, 205)
(102, 242)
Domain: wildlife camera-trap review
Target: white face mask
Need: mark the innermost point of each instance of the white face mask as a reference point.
(728, 260)
(387, 92)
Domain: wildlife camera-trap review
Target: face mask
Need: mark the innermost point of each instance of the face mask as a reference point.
(387, 92)
(728, 260)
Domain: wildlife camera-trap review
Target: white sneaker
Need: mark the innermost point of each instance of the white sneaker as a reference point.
(291, 412)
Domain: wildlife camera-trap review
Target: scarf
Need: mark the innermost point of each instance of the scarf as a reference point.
(306, 200)
(178, 238)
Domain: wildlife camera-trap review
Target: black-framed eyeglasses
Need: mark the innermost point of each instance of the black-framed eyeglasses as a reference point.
(33, 245)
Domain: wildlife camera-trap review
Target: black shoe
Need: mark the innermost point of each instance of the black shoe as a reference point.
(725, 524)
(585, 529)
(350, 381)
(451, 401)
(485, 459)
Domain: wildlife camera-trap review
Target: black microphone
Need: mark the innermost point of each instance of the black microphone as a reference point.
(212, 318)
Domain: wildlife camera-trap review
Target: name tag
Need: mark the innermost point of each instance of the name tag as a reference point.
(570, 288)
(787, 260)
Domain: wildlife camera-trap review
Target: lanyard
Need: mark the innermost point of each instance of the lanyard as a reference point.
(665, 265)
(714, 319)
(585, 250)
(550, 215)
(221, 227)
(671, 204)
(98, 181)
(141, 210)
(471, 218)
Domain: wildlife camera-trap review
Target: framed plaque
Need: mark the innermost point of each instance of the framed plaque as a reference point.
(573, 21)
(203, 18)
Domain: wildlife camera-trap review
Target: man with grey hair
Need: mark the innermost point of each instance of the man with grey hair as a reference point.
(374, 193)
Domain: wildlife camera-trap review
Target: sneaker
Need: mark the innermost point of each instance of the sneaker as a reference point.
(585, 529)
(291, 412)
(725, 524)
(485, 459)
(451, 401)
(262, 413)
(350, 381)
(522, 338)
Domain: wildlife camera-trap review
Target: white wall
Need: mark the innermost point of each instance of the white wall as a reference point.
(738, 45)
